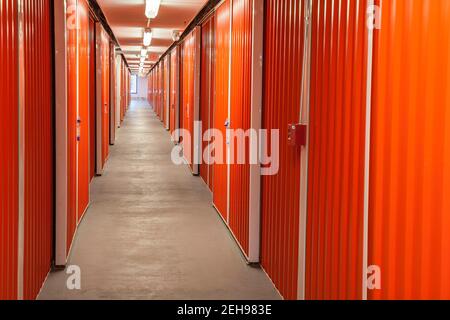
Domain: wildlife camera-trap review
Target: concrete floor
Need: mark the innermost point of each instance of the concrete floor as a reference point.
(151, 232)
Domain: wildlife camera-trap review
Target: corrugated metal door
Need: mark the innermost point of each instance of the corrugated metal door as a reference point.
(220, 176)
(166, 91)
(71, 120)
(92, 102)
(240, 108)
(39, 146)
(187, 58)
(8, 150)
(173, 89)
(105, 96)
(112, 94)
(207, 90)
(83, 108)
(280, 193)
(409, 218)
(334, 251)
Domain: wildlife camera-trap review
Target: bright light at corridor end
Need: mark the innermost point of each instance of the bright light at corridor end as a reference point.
(152, 8)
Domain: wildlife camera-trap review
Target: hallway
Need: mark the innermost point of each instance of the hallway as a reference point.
(151, 231)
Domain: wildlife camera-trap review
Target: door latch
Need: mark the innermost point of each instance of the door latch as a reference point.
(297, 134)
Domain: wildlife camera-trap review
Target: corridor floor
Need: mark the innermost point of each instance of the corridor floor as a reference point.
(151, 232)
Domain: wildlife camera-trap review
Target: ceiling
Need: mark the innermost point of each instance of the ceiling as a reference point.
(127, 20)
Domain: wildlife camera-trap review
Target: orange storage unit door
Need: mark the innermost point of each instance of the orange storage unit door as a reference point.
(9, 151)
(174, 90)
(105, 95)
(207, 91)
(284, 28)
(39, 145)
(72, 116)
(83, 108)
(92, 98)
(220, 175)
(240, 120)
(166, 91)
(409, 218)
(334, 250)
(188, 63)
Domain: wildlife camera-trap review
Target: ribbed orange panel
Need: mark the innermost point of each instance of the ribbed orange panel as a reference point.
(409, 218)
(158, 91)
(187, 58)
(112, 93)
(161, 91)
(83, 107)
(207, 89)
(166, 90)
(8, 150)
(334, 250)
(38, 103)
(241, 82)
(92, 98)
(173, 89)
(105, 96)
(122, 91)
(279, 197)
(220, 176)
(71, 120)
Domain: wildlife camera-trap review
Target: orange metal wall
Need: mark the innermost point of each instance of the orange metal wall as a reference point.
(39, 164)
(279, 193)
(207, 89)
(220, 176)
(71, 120)
(187, 60)
(8, 150)
(336, 153)
(409, 219)
(241, 71)
(83, 107)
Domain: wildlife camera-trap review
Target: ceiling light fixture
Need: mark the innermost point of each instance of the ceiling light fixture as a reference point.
(148, 35)
(152, 8)
(144, 53)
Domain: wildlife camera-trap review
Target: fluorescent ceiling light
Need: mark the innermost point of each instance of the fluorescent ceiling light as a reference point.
(148, 35)
(144, 53)
(152, 8)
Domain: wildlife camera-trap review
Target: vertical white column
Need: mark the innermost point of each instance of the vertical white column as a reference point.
(255, 125)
